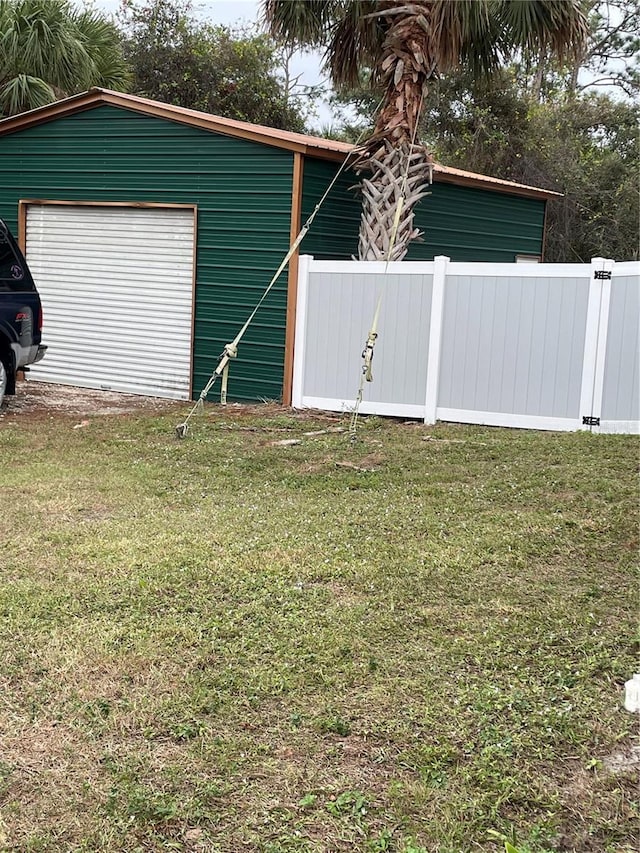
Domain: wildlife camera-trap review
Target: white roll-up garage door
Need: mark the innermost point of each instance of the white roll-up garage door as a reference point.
(117, 293)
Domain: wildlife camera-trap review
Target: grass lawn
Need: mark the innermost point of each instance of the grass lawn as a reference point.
(228, 644)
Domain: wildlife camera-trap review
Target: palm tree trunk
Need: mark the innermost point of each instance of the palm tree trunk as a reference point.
(399, 170)
(384, 189)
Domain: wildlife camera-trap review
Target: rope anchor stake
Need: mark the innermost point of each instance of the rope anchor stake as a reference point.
(231, 350)
(222, 369)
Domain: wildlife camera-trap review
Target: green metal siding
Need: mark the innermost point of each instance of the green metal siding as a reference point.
(334, 233)
(469, 224)
(243, 193)
(465, 223)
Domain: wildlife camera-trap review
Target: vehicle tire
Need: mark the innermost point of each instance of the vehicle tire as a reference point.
(3, 381)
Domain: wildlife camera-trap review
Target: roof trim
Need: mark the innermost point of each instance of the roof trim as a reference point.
(314, 146)
(450, 175)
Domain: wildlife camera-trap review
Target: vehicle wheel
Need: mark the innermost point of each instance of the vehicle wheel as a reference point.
(3, 381)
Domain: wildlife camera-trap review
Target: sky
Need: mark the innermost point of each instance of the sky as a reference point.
(247, 12)
(242, 13)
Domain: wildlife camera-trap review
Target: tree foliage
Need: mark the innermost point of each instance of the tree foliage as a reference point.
(585, 147)
(589, 150)
(50, 49)
(550, 132)
(180, 60)
(400, 47)
(612, 53)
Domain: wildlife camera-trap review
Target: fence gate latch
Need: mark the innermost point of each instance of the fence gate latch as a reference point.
(590, 420)
(604, 275)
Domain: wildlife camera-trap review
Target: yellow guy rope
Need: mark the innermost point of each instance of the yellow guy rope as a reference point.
(366, 374)
(231, 350)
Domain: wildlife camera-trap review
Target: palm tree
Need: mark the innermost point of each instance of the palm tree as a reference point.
(49, 49)
(400, 45)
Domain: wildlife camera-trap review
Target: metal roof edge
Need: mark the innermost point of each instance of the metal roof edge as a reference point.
(449, 174)
(313, 146)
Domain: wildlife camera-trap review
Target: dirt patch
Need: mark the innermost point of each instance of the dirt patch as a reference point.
(627, 761)
(43, 398)
(46, 756)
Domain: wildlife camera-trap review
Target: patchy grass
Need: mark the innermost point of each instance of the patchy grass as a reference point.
(227, 644)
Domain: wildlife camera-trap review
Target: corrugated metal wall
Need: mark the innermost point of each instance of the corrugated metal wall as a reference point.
(116, 285)
(334, 233)
(469, 224)
(243, 192)
(464, 223)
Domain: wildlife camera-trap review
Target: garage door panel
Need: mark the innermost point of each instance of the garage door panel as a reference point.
(122, 268)
(106, 359)
(93, 289)
(87, 322)
(113, 334)
(109, 350)
(108, 306)
(124, 256)
(117, 291)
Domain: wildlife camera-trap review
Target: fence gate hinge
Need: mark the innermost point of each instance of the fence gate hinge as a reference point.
(604, 275)
(590, 420)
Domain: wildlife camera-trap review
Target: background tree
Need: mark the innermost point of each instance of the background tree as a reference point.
(401, 47)
(585, 147)
(180, 60)
(49, 49)
(576, 139)
(611, 55)
(588, 150)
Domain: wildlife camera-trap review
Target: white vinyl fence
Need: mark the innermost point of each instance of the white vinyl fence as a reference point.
(542, 346)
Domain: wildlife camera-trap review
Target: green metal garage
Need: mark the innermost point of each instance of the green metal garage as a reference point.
(153, 230)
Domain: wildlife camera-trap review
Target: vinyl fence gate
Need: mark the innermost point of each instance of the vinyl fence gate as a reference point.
(549, 346)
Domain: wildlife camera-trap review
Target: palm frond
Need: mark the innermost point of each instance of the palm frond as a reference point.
(53, 42)
(24, 93)
(465, 33)
(307, 22)
(356, 43)
(559, 24)
(102, 45)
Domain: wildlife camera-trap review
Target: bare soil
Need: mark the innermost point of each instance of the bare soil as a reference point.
(43, 398)
(625, 761)
(38, 400)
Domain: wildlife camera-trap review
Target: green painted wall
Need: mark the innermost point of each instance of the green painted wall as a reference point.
(243, 192)
(334, 233)
(465, 223)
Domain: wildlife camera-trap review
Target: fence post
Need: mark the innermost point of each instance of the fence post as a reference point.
(297, 391)
(595, 343)
(435, 337)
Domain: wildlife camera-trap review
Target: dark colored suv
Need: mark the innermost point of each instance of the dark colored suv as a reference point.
(20, 314)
